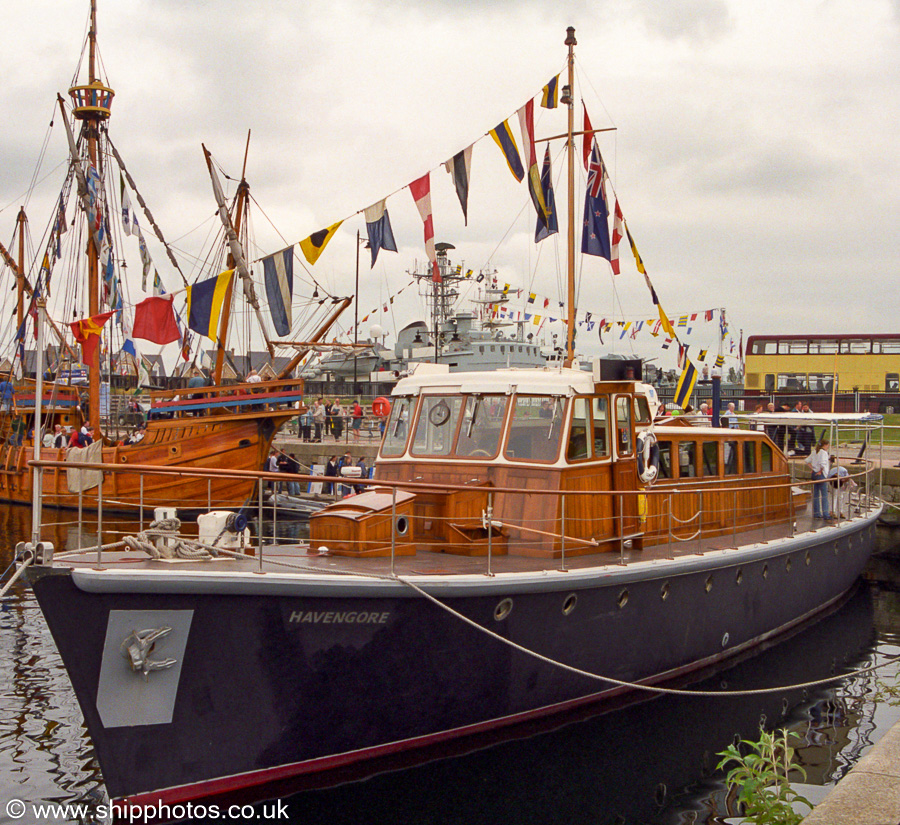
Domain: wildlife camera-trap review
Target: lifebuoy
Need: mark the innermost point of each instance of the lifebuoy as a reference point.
(381, 407)
(647, 458)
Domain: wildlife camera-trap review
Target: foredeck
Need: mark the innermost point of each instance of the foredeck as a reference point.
(299, 559)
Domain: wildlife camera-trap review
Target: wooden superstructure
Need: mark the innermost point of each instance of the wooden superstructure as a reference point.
(550, 459)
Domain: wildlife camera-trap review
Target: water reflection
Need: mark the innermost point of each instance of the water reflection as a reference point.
(652, 763)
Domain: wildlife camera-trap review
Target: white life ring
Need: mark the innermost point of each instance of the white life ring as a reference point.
(647, 457)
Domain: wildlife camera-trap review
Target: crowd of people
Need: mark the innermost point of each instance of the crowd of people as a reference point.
(336, 482)
(329, 418)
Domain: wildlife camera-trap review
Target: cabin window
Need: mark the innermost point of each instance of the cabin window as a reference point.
(579, 431)
(535, 427)
(766, 458)
(687, 459)
(623, 425)
(710, 458)
(730, 454)
(749, 456)
(397, 428)
(665, 459)
(438, 415)
(601, 426)
(641, 410)
(482, 424)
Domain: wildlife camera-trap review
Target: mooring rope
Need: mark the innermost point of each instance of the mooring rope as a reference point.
(637, 685)
(655, 689)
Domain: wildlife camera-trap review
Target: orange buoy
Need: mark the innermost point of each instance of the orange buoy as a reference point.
(381, 407)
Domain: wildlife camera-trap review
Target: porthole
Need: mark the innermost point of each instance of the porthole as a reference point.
(787, 564)
(664, 591)
(739, 576)
(623, 598)
(808, 558)
(401, 525)
(569, 604)
(725, 640)
(502, 610)
(707, 585)
(765, 571)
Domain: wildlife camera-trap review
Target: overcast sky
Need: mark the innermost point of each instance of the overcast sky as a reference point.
(755, 152)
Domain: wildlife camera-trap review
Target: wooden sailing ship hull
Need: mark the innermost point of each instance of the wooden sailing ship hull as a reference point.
(227, 442)
(286, 681)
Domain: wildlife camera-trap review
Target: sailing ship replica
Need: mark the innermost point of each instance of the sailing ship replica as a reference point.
(533, 542)
(216, 426)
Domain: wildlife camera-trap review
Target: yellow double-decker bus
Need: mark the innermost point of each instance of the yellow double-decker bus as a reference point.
(822, 364)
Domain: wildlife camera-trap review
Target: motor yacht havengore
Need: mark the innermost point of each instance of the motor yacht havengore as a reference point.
(534, 541)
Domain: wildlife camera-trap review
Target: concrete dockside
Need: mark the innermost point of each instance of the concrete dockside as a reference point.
(870, 793)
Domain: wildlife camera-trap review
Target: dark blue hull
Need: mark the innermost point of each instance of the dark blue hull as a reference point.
(275, 691)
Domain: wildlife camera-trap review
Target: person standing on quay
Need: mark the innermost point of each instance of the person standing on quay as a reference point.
(357, 419)
(337, 419)
(318, 413)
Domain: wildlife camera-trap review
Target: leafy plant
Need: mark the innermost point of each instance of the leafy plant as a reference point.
(886, 693)
(761, 778)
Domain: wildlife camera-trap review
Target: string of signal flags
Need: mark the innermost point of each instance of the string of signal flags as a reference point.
(596, 239)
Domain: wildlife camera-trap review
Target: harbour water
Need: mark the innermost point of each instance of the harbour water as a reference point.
(650, 763)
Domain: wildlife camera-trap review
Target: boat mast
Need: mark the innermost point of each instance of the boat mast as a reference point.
(569, 98)
(236, 260)
(91, 106)
(93, 252)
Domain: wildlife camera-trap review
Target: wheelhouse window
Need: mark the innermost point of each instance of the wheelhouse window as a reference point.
(601, 426)
(397, 429)
(710, 458)
(642, 410)
(687, 459)
(535, 428)
(730, 455)
(436, 426)
(482, 425)
(579, 431)
(624, 444)
(665, 459)
(749, 456)
(765, 458)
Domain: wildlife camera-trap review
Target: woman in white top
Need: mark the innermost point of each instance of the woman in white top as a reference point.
(820, 465)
